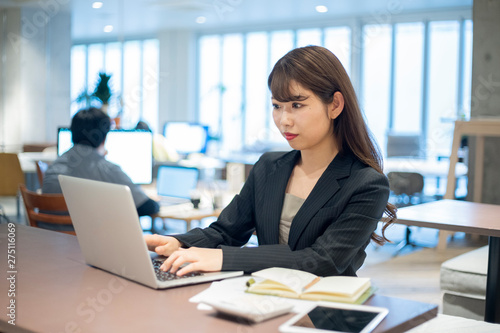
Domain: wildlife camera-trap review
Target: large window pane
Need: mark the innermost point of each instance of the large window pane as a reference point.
(338, 40)
(210, 83)
(408, 75)
(132, 92)
(232, 78)
(95, 64)
(134, 70)
(257, 97)
(78, 76)
(443, 84)
(307, 37)
(376, 64)
(467, 75)
(281, 43)
(113, 60)
(150, 83)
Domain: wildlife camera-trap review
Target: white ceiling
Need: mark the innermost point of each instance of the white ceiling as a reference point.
(146, 17)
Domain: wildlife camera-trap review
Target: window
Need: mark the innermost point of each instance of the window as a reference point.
(234, 99)
(78, 75)
(210, 86)
(443, 83)
(408, 76)
(338, 40)
(307, 37)
(134, 70)
(232, 79)
(376, 80)
(414, 77)
(257, 98)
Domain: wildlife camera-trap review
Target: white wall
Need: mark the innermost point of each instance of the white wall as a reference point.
(34, 73)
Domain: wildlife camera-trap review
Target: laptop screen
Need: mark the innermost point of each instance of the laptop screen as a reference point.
(176, 181)
(132, 150)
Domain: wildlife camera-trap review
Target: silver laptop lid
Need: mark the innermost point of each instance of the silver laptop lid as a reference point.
(110, 234)
(108, 228)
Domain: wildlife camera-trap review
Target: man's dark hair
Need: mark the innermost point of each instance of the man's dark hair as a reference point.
(90, 127)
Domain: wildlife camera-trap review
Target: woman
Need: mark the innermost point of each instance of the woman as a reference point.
(314, 208)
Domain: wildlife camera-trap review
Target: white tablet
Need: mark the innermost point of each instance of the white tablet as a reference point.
(332, 317)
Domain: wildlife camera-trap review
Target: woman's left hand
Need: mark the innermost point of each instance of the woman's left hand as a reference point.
(200, 259)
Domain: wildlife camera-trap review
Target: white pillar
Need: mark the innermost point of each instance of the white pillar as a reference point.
(34, 73)
(485, 92)
(177, 77)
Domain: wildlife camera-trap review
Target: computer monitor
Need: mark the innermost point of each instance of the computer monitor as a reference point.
(187, 137)
(132, 150)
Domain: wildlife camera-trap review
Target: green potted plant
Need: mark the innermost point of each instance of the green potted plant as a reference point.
(102, 91)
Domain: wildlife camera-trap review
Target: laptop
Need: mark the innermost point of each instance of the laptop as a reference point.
(175, 183)
(110, 235)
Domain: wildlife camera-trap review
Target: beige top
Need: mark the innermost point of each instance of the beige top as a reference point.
(291, 206)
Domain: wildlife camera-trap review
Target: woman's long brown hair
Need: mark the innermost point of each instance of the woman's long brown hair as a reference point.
(319, 70)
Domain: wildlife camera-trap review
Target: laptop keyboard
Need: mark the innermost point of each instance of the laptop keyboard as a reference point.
(167, 276)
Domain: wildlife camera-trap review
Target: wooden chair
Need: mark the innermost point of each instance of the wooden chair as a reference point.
(39, 206)
(11, 175)
(41, 167)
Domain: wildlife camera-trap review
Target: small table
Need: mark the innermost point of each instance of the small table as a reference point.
(188, 214)
(469, 217)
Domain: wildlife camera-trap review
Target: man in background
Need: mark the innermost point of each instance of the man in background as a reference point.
(85, 159)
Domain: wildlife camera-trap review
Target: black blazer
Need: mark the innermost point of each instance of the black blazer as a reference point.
(329, 234)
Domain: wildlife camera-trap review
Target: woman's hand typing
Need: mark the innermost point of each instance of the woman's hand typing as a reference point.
(199, 259)
(162, 245)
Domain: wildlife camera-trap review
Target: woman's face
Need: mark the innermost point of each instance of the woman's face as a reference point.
(304, 122)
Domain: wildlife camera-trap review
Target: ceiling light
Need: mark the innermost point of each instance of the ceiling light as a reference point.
(201, 19)
(97, 4)
(321, 9)
(108, 28)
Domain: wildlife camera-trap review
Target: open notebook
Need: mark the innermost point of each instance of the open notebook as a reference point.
(110, 235)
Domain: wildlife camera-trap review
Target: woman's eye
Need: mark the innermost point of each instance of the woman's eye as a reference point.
(276, 106)
(296, 105)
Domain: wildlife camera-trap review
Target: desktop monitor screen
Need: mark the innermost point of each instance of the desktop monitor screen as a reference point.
(132, 150)
(187, 137)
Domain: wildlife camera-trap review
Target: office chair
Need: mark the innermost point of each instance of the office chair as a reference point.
(407, 188)
(11, 175)
(49, 209)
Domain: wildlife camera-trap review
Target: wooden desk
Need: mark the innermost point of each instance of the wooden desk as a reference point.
(472, 218)
(55, 291)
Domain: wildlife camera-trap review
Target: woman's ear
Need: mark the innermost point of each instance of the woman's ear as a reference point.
(335, 108)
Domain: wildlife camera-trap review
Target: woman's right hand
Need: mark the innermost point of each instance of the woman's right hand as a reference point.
(162, 245)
